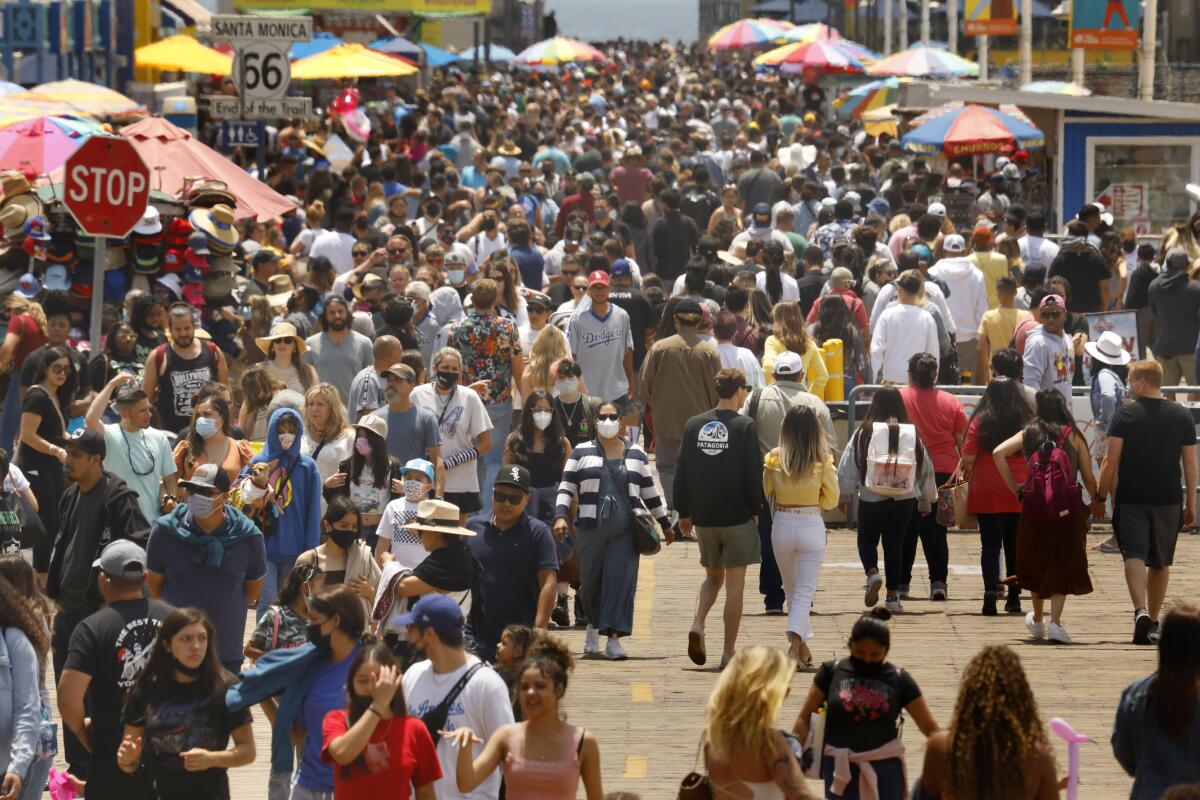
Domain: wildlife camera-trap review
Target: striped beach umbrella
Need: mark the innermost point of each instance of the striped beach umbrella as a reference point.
(748, 33)
(795, 58)
(559, 50)
(925, 62)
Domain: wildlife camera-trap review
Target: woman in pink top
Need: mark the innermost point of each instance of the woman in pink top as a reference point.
(543, 756)
(941, 423)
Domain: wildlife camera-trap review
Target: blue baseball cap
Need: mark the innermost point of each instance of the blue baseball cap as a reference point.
(437, 611)
(621, 267)
(419, 465)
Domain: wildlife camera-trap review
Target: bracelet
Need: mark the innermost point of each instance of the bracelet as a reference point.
(373, 711)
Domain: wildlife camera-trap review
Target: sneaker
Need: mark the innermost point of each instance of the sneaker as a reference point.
(559, 616)
(1154, 635)
(1109, 546)
(938, 591)
(591, 642)
(581, 620)
(613, 650)
(902, 592)
(1142, 625)
(1037, 630)
(1013, 604)
(696, 647)
(989, 603)
(874, 584)
(774, 611)
(892, 604)
(1056, 633)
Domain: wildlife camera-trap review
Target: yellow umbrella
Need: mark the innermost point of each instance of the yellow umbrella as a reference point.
(879, 121)
(183, 54)
(350, 61)
(81, 96)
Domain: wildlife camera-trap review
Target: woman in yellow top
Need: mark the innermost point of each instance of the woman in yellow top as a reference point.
(800, 481)
(790, 333)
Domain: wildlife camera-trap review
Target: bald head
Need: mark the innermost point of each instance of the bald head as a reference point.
(387, 352)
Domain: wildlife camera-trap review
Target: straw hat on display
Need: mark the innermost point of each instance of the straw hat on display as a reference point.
(217, 224)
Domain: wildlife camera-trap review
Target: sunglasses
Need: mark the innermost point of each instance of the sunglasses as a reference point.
(570, 273)
(359, 253)
(507, 499)
(578, 288)
(394, 252)
(58, 369)
(609, 417)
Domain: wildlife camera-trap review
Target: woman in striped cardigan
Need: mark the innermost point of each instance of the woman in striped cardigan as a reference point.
(606, 475)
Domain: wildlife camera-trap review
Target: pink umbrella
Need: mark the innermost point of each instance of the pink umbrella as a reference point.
(42, 143)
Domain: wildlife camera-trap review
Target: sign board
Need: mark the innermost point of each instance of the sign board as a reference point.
(403, 7)
(239, 134)
(1123, 323)
(261, 67)
(227, 107)
(106, 186)
(239, 29)
(1105, 24)
(1129, 200)
(261, 70)
(991, 18)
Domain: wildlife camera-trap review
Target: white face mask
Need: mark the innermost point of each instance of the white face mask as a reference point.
(608, 428)
(414, 491)
(201, 506)
(286, 440)
(542, 419)
(567, 386)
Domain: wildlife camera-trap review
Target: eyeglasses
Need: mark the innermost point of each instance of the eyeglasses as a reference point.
(507, 499)
(570, 273)
(392, 251)
(58, 369)
(359, 253)
(609, 417)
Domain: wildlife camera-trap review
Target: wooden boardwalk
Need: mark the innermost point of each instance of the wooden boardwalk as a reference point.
(647, 712)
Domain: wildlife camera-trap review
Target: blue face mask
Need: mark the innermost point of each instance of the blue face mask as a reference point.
(456, 275)
(206, 427)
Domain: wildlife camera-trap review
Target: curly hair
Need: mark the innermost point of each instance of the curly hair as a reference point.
(17, 612)
(996, 727)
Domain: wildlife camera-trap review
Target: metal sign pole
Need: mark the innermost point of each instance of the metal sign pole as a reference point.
(99, 262)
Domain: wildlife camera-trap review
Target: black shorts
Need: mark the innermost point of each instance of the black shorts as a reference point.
(1148, 533)
(467, 502)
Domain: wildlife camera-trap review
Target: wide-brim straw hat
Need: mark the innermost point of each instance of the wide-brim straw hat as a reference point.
(438, 516)
(284, 330)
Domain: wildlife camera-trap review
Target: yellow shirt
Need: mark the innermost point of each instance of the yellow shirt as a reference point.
(815, 373)
(819, 488)
(999, 324)
(994, 266)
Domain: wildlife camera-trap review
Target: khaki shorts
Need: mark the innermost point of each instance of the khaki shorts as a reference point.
(730, 546)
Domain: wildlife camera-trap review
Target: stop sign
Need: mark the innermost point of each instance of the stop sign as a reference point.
(106, 186)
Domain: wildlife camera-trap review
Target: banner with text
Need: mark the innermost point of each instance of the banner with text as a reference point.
(991, 18)
(1105, 24)
(374, 6)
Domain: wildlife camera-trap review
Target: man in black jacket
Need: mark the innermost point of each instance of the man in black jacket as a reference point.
(97, 508)
(674, 237)
(1081, 263)
(718, 489)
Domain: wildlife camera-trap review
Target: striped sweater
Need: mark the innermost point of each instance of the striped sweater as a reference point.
(581, 479)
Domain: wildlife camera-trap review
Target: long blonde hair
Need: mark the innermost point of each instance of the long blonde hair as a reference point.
(802, 444)
(15, 304)
(790, 328)
(338, 421)
(748, 696)
(549, 347)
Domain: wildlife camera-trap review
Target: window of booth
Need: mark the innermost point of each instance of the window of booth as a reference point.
(1142, 181)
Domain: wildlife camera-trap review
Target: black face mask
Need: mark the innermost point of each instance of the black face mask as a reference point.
(191, 672)
(447, 380)
(489, 224)
(1128, 247)
(322, 641)
(343, 539)
(867, 667)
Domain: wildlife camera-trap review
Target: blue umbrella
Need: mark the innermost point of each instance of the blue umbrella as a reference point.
(437, 57)
(397, 46)
(500, 54)
(321, 42)
(972, 130)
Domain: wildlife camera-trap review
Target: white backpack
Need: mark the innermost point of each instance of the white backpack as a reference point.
(891, 462)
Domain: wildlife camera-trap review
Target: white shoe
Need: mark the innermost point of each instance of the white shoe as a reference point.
(1056, 633)
(892, 604)
(591, 642)
(613, 650)
(1036, 629)
(874, 584)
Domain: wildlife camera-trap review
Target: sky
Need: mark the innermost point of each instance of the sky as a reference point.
(633, 19)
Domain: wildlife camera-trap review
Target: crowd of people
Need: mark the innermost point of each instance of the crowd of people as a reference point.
(534, 331)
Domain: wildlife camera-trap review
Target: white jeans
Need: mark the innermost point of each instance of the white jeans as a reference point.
(798, 540)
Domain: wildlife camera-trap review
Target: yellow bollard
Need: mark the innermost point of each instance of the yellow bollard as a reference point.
(835, 388)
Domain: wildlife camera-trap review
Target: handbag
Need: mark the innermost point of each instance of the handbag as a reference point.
(645, 529)
(946, 516)
(959, 489)
(695, 785)
(814, 745)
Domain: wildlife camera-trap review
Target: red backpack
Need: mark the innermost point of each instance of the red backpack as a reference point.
(1051, 493)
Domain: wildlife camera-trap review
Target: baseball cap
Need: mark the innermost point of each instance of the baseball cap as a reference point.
(28, 286)
(762, 215)
(922, 252)
(419, 465)
(880, 206)
(954, 244)
(207, 477)
(454, 257)
(402, 371)
(513, 475)
(599, 276)
(621, 267)
(539, 301)
(707, 246)
(122, 558)
(937, 209)
(437, 611)
(688, 306)
(89, 441)
(1052, 301)
(982, 236)
(789, 363)
(1176, 258)
(264, 257)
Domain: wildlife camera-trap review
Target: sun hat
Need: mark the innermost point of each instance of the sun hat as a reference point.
(438, 516)
(376, 425)
(150, 223)
(217, 224)
(28, 286)
(280, 288)
(284, 330)
(1108, 349)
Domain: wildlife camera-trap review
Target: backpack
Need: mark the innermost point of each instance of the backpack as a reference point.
(1051, 493)
(891, 459)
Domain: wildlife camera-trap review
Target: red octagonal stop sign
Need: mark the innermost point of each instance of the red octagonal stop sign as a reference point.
(106, 186)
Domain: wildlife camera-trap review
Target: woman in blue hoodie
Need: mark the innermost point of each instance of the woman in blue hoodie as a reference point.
(289, 514)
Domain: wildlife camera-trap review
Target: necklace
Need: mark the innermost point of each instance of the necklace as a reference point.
(574, 409)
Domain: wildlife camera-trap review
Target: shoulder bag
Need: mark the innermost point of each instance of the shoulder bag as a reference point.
(695, 785)
(645, 529)
(435, 720)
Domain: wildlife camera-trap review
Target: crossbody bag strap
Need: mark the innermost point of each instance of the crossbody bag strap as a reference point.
(444, 707)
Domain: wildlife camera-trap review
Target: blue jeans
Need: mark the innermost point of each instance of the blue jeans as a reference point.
(489, 465)
(275, 577)
(10, 417)
(35, 780)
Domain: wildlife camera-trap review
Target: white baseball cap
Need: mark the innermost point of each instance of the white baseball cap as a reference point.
(937, 209)
(954, 243)
(789, 363)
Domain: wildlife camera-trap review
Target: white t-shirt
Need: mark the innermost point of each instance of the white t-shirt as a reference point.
(337, 247)
(1036, 250)
(483, 706)
(791, 289)
(366, 496)
(481, 246)
(901, 332)
(461, 418)
(741, 358)
(888, 296)
(406, 545)
(15, 481)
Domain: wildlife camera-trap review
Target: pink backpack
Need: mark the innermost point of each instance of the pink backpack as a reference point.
(1051, 493)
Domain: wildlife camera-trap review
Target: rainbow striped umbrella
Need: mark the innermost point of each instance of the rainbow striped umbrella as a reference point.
(957, 105)
(43, 143)
(795, 58)
(973, 130)
(812, 32)
(748, 33)
(8, 87)
(86, 98)
(869, 96)
(1056, 87)
(925, 62)
(559, 50)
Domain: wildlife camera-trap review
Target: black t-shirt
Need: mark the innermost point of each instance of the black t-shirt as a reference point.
(814, 98)
(38, 401)
(810, 285)
(112, 646)
(641, 318)
(865, 702)
(579, 418)
(1153, 431)
(179, 717)
(81, 544)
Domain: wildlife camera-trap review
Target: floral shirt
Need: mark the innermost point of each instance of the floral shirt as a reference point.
(830, 234)
(488, 343)
(865, 701)
(279, 629)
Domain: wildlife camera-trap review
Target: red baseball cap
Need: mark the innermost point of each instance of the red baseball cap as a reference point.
(599, 276)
